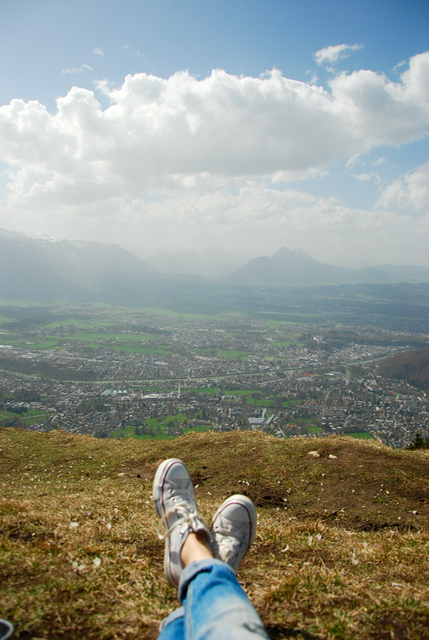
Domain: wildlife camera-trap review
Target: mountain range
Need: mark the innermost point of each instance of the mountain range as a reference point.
(34, 265)
(37, 266)
(296, 266)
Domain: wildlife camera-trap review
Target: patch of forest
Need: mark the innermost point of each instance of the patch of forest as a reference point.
(412, 366)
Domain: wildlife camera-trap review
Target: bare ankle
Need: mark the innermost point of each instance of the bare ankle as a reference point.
(195, 548)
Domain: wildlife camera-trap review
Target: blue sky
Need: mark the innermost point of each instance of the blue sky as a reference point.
(328, 153)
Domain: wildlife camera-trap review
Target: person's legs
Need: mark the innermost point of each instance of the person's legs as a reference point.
(214, 604)
(195, 549)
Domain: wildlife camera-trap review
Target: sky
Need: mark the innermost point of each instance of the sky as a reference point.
(246, 125)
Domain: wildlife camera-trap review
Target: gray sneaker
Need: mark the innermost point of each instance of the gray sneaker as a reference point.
(175, 504)
(233, 530)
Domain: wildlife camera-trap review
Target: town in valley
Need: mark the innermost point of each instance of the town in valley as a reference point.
(148, 373)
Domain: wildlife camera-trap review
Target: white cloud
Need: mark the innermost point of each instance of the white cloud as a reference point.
(408, 193)
(399, 65)
(84, 67)
(362, 177)
(199, 159)
(98, 51)
(379, 161)
(334, 53)
(178, 133)
(354, 160)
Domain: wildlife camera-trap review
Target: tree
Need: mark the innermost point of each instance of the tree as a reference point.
(419, 442)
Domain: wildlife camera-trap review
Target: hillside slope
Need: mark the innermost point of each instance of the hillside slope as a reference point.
(340, 552)
(412, 366)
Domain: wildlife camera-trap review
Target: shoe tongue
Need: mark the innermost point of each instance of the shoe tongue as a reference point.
(181, 487)
(230, 525)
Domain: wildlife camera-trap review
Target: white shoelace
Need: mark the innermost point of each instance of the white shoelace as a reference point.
(231, 542)
(189, 515)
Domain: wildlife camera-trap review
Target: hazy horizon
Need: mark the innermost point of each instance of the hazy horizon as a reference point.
(202, 261)
(245, 127)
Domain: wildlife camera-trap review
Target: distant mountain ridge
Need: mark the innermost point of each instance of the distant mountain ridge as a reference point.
(290, 267)
(40, 267)
(33, 264)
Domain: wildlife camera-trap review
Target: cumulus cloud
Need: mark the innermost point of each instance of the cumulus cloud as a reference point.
(203, 158)
(98, 51)
(184, 133)
(408, 193)
(334, 53)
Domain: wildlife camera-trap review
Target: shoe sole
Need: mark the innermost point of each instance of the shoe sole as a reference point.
(251, 511)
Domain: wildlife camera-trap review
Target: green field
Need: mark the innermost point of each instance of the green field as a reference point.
(234, 355)
(4, 320)
(241, 392)
(27, 419)
(291, 402)
(361, 435)
(158, 429)
(260, 403)
(314, 429)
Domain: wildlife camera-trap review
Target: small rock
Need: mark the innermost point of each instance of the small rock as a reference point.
(314, 454)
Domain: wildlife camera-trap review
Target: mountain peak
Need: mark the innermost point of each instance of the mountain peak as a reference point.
(294, 257)
(291, 254)
(301, 253)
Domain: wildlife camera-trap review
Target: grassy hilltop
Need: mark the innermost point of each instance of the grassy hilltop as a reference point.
(341, 549)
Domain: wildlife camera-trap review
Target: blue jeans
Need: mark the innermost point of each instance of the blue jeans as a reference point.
(215, 607)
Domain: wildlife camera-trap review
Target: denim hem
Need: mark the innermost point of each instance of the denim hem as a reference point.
(193, 569)
(177, 613)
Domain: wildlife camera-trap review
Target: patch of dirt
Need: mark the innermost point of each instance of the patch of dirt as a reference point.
(278, 632)
(140, 469)
(357, 484)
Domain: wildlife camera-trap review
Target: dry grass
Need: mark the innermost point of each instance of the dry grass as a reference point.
(339, 552)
